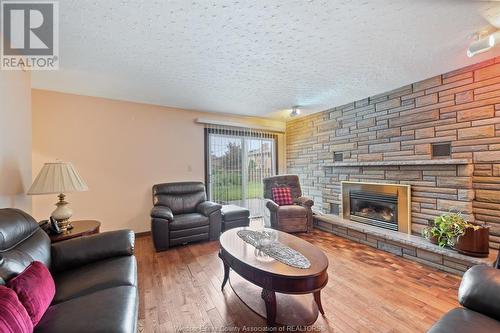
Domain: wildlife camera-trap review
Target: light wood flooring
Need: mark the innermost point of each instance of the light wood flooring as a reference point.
(368, 290)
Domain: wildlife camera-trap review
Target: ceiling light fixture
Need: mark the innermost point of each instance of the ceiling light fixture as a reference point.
(483, 44)
(494, 38)
(295, 111)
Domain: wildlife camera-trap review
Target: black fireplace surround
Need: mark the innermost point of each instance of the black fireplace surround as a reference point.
(376, 209)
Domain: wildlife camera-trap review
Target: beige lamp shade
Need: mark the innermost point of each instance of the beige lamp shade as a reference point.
(57, 177)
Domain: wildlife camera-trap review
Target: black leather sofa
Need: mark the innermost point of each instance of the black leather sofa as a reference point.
(479, 294)
(95, 276)
(182, 214)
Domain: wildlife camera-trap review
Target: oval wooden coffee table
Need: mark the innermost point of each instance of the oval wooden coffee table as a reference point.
(274, 290)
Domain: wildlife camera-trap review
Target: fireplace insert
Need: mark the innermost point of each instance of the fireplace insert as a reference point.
(376, 209)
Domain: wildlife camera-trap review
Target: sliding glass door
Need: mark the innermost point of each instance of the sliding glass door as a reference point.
(236, 162)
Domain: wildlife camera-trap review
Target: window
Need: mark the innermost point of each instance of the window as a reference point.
(237, 160)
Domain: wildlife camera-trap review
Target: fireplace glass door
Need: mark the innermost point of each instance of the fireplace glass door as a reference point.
(374, 208)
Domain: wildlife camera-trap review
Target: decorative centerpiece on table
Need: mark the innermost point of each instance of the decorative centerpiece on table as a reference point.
(264, 240)
(267, 248)
(452, 230)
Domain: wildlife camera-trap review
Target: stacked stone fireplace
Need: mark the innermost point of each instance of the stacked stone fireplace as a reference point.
(441, 136)
(386, 206)
(433, 188)
(373, 208)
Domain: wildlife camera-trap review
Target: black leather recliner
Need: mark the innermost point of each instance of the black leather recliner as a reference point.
(479, 294)
(182, 214)
(95, 276)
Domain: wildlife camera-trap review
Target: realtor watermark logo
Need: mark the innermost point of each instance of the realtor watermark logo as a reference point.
(30, 35)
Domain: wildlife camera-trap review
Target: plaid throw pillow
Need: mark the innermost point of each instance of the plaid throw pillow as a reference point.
(282, 196)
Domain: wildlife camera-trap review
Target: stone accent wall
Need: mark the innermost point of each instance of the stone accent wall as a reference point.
(461, 107)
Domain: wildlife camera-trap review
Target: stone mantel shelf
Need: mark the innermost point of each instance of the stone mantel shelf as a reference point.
(397, 163)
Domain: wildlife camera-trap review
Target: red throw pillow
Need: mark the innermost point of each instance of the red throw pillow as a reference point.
(282, 196)
(13, 315)
(35, 289)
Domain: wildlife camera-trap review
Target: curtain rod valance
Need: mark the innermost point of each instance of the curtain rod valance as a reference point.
(239, 125)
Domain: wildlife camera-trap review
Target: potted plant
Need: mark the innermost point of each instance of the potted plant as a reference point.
(453, 230)
(445, 229)
(474, 241)
(431, 233)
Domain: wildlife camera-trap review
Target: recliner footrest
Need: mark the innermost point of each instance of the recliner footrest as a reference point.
(234, 216)
(188, 239)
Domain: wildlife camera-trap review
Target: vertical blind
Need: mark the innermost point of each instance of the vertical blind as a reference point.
(238, 159)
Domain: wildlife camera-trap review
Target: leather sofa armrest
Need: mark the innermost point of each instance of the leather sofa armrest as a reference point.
(271, 205)
(480, 290)
(208, 207)
(85, 250)
(162, 212)
(304, 201)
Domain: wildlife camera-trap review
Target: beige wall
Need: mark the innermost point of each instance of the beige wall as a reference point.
(15, 139)
(120, 149)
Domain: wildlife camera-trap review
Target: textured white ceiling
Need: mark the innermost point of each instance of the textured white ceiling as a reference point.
(259, 57)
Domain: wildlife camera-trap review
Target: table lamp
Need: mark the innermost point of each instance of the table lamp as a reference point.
(59, 178)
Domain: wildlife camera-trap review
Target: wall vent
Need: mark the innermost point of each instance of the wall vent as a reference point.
(338, 157)
(441, 149)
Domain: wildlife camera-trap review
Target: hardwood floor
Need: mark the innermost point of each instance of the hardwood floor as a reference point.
(368, 290)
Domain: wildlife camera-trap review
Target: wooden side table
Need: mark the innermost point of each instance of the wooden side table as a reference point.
(80, 228)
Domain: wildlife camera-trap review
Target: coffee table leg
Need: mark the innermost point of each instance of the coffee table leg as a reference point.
(226, 275)
(317, 299)
(269, 298)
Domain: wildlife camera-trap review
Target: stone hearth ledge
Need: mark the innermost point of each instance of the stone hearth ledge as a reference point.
(408, 246)
(397, 163)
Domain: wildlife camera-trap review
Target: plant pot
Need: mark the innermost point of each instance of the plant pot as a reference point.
(474, 243)
(433, 239)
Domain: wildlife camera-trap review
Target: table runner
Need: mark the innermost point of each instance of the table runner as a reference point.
(274, 249)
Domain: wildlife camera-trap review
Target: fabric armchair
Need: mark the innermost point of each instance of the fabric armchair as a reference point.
(304, 201)
(182, 214)
(294, 218)
(272, 206)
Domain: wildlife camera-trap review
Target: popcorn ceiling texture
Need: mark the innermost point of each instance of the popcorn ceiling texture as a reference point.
(256, 57)
(461, 107)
